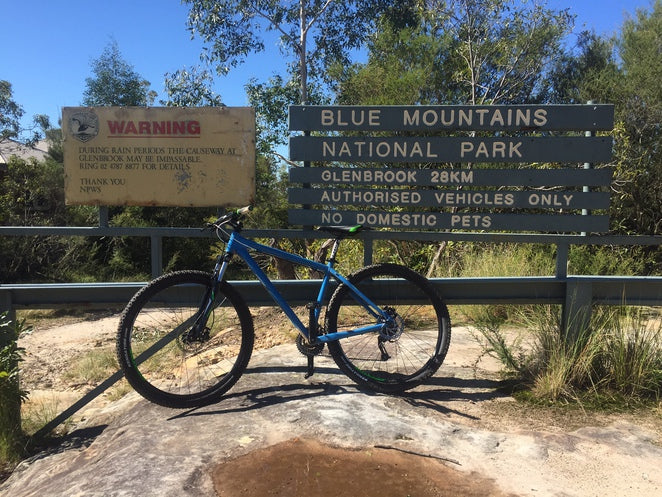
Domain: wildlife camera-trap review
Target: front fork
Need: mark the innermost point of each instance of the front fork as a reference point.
(222, 262)
(198, 331)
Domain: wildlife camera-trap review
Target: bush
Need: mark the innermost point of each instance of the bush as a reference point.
(616, 362)
(11, 396)
(503, 260)
(609, 260)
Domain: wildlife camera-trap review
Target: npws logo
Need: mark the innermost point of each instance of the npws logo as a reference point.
(84, 126)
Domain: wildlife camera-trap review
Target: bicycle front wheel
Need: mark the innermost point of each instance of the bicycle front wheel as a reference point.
(405, 353)
(173, 363)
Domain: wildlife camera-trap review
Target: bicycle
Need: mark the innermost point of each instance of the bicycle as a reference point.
(186, 337)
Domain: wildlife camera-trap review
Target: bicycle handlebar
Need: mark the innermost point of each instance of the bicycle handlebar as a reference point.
(231, 217)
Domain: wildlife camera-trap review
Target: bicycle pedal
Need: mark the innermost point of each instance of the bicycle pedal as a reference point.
(311, 367)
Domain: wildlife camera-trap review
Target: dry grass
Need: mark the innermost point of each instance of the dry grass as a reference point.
(615, 363)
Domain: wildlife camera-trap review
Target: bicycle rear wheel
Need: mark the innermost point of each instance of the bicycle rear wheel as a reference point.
(405, 354)
(165, 359)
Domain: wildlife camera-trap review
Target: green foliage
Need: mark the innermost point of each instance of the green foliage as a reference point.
(507, 260)
(129, 257)
(270, 195)
(494, 342)
(503, 260)
(313, 34)
(10, 119)
(504, 48)
(617, 362)
(637, 202)
(271, 101)
(37, 413)
(190, 88)
(234, 28)
(11, 395)
(10, 353)
(32, 194)
(115, 82)
(608, 260)
(639, 48)
(10, 112)
(403, 69)
(588, 73)
(633, 347)
(624, 71)
(435, 52)
(92, 367)
(483, 52)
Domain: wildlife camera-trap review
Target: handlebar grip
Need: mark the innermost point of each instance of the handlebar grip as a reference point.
(232, 216)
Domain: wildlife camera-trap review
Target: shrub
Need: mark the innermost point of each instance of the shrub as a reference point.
(617, 361)
(503, 260)
(11, 395)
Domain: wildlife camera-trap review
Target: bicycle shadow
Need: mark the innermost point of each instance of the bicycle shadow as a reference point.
(251, 394)
(258, 398)
(438, 391)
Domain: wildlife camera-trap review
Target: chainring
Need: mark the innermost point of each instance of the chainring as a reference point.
(308, 349)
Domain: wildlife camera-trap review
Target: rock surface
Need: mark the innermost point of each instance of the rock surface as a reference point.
(134, 448)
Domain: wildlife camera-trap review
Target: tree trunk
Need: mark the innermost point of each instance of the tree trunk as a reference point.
(303, 63)
(284, 268)
(437, 257)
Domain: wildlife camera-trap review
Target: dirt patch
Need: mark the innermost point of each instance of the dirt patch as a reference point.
(305, 467)
(57, 341)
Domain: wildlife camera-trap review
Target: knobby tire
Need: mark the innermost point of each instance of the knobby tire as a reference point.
(415, 349)
(187, 370)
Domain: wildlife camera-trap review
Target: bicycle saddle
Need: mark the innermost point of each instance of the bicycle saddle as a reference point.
(343, 231)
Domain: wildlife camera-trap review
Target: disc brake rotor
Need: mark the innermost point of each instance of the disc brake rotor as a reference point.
(394, 329)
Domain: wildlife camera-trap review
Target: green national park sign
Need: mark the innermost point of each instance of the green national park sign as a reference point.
(434, 157)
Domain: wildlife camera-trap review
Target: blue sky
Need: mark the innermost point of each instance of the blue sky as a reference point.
(49, 45)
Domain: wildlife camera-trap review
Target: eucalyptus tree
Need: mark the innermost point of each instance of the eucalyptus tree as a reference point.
(311, 35)
(115, 82)
(10, 112)
(501, 48)
(587, 73)
(459, 52)
(638, 195)
(190, 87)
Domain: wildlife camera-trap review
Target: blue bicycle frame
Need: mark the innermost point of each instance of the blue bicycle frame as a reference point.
(240, 246)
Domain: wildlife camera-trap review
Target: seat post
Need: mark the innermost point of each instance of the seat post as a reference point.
(334, 251)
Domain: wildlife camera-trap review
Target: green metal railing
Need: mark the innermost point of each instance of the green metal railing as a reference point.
(575, 293)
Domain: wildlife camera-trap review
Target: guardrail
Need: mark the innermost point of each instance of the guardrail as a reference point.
(575, 293)
(558, 289)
